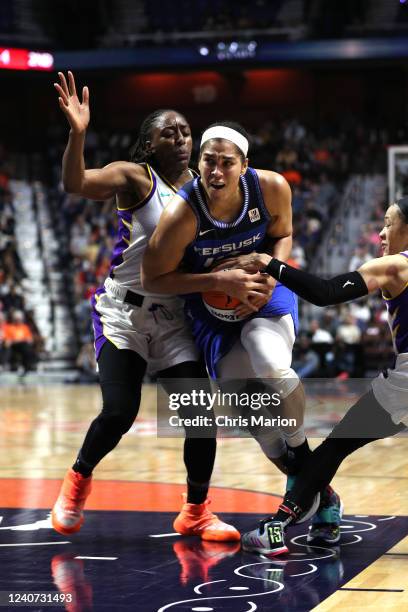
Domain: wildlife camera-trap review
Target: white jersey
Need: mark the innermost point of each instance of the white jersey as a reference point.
(136, 224)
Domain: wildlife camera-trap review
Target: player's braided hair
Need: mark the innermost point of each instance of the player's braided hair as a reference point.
(138, 153)
(234, 126)
(403, 207)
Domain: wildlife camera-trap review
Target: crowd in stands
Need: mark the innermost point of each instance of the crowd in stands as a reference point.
(316, 164)
(20, 340)
(349, 340)
(343, 341)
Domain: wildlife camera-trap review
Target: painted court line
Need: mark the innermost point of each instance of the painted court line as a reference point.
(373, 590)
(98, 558)
(34, 544)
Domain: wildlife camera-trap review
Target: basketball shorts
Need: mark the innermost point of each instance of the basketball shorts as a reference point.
(157, 330)
(390, 389)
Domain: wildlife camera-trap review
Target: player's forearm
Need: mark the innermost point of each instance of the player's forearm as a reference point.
(282, 248)
(317, 290)
(73, 163)
(179, 283)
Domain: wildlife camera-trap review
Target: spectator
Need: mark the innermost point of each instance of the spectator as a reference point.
(322, 344)
(19, 343)
(306, 361)
(349, 360)
(359, 257)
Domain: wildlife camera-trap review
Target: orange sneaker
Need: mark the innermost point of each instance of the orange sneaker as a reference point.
(196, 519)
(67, 516)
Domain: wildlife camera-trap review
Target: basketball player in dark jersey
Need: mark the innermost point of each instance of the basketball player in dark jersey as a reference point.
(381, 412)
(232, 208)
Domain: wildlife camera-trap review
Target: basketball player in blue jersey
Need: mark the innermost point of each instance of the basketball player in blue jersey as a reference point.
(232, 209)
(136, 329)
(381, 412)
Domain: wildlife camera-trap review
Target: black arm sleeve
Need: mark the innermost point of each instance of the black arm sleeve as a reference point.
(316, 290)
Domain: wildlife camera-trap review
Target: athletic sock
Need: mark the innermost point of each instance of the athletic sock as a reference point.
(82, 468)
(298, 455)
(288, 512)
(197, 492)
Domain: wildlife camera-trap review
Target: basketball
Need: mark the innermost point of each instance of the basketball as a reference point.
(221, 305)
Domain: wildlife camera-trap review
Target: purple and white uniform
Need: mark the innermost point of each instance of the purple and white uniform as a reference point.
(391, 388)
(157, 330)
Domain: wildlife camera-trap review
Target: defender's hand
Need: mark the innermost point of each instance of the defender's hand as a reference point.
(251, 263)
(76, 112)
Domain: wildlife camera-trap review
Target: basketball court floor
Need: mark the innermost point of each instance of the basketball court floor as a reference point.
(127, 557)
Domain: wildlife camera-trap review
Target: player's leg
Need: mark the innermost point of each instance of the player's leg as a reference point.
(121, 374)
(195, 517)
(365, 422)
(234, 372)
(269, 343)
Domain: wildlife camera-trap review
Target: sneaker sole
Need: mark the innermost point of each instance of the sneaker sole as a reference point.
(266, 551)
(65, 530)
(209, 536)
(320, 539)
(220, 537)
(305, 516)
(226, 536)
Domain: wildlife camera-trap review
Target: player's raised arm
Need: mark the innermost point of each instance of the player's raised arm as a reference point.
(98, 184)
(160, 269)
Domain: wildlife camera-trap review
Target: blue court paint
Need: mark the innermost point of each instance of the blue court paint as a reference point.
(177, 573)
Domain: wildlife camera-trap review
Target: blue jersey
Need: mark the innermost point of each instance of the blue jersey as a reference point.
(397, 308)
(216, 240)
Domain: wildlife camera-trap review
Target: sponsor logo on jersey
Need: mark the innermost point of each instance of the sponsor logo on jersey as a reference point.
(229, 247)
(254, 215)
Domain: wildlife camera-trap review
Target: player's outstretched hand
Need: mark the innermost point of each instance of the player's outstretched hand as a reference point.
(76, 112)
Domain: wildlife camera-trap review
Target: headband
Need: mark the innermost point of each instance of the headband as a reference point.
(221, 131)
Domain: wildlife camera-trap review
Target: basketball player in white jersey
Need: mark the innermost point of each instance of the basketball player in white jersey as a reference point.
(136, 330)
